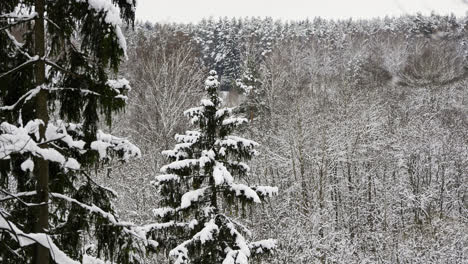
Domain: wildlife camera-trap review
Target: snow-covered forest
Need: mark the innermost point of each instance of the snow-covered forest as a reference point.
(247, 140)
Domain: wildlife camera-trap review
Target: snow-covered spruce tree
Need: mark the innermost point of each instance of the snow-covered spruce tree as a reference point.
(55, 58)
(203, 187)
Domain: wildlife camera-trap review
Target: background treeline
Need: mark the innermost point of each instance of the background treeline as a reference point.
(362, 125)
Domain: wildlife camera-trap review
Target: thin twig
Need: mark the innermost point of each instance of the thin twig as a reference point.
(51, 140)
(9, 224)
(21, 201)
(32, 61)
(18, 195)
(27, 96)
(60, 68)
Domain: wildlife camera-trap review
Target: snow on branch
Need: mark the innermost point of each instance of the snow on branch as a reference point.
(83, 91)
(33, 92)
(142, 231)
(185, 142)
(212, 81)
(206, 234)
(18, 140)
(167, 178)
(33, 59)
(234, 121)
(162, 212)
(16, 16)
(25, 97)
(124, 148)
(23, 140)
(27, 165)
(120, 86)
(223, 112)
(129, 227)
(239, 239)
(18, 45)
(266, 191)
(178, 152)
(26, 239)
(234, 142)
(17, 196)
(195, 113)
(239, 166)
(192, 196)
(207, 156)
(237, 144)
(112, 17)
(221, 174)
(58, 131)
(235, 257)
(93, 209)
(242, 190)
(179, 164)
(263, 246)
(189, 137)
(206, 103)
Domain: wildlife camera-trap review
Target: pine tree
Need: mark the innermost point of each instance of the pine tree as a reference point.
(202, 188)
(55, 60)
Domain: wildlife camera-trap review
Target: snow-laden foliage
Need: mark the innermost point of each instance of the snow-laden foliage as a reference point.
(205, 179)
(62, 150)
(23, 140)
(55, 86)
(360, 123)
(26, 239)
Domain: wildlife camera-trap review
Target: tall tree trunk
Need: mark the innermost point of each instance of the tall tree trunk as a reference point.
(42, 166)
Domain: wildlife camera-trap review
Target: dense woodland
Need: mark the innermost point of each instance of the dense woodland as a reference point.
(362, 125)
(242, 140)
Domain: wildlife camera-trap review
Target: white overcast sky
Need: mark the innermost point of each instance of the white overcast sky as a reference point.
(194, 10)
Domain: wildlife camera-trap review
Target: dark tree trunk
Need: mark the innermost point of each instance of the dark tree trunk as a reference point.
(42, 166)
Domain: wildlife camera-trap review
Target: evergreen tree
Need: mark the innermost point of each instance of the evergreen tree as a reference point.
(231, 61)
(251, 86)
(203, 187)
(55, 59)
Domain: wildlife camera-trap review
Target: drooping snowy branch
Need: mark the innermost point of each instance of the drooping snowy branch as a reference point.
(25, 97)
(112, 17)
(180, 253)
(33, 59)
(92, 209)
(26, 239)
